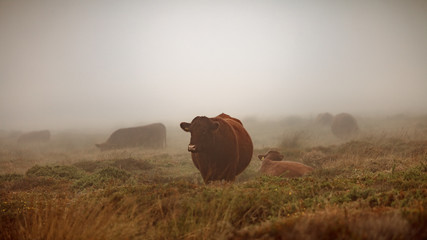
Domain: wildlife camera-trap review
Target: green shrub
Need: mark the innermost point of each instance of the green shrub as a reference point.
(10, 177)
(89, 166)
(64, 172)
(114, 173)
(109, 175)
(28, 183)
(130, 164)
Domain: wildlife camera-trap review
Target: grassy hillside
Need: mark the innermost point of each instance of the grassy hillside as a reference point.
(371, 187)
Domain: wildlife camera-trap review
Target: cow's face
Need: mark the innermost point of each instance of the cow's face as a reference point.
(202, 133)
(272, 155)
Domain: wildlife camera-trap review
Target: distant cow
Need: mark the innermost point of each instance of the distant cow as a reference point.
(149, 136)
(34, 137)
(344, 126)
(220, 147)
(324, 119)
(273, 165)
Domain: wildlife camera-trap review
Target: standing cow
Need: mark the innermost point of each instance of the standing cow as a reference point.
(149, 136)
(273, 165)
(344, 126)
(220, 147)
(34, 137)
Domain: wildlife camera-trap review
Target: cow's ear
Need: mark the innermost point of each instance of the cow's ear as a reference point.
(214, 126)
(261, 157)
(185, 126)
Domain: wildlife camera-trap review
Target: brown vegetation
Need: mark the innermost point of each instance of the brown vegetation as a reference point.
(368, 188)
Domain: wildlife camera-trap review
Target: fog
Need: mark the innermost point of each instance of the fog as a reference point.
(92, 63)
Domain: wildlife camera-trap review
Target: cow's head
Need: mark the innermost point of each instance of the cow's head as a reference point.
(272, 155)
(202, 131)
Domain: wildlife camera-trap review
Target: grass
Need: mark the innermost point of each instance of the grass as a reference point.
(373, 187)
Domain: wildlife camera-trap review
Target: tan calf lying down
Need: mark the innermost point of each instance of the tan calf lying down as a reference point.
(273, 166)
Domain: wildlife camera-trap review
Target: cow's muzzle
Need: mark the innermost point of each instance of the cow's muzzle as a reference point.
(192, 148)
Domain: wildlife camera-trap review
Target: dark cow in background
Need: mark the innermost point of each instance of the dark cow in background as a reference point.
(273, 165)
(324, 119)
(149, 136)
(344, 126)
(34, 137)
(220, 147)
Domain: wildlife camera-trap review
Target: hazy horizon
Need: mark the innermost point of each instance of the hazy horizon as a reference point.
(72, 64)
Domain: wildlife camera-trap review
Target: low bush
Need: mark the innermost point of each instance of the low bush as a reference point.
(65, 172)
(109, 175)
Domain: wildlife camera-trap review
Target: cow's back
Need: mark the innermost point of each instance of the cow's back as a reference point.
(284, 168)
(153, 135)
(344, 126)
(243, 140)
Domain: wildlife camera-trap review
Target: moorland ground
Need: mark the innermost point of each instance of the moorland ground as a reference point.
(373, 186)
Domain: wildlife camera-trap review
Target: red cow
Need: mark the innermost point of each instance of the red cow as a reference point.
(220, 147)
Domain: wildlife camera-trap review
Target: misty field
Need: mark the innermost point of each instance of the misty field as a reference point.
(373, 186)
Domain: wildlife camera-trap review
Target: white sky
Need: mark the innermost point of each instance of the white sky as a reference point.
(103, 62)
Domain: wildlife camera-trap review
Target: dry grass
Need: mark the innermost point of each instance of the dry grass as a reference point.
(77, 218)
(335, 223)
(372, 187)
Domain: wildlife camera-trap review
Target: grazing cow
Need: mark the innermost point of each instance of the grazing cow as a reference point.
(324, 119)
(344, 126)
(273, 165)
(220, 147)
(34, 137)
(149, 136)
